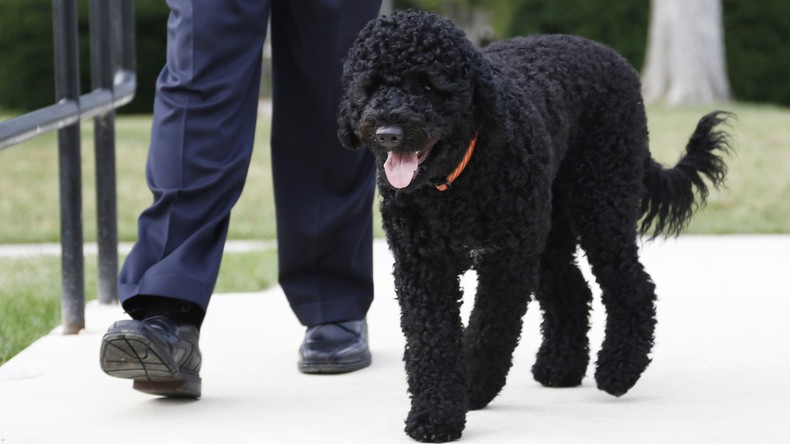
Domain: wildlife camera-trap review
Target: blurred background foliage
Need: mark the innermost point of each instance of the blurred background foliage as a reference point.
(27, 79)
(756, 38)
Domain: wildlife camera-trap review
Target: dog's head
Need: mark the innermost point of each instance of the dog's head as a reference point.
(416, 91)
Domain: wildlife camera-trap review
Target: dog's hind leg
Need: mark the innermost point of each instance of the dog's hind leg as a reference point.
(565, 299)
(604, 183)
(629, 298)
(503, 292)
(628, 294)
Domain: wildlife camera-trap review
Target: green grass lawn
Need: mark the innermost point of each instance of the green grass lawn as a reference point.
(757, 194)
(29, 173)
(756, 200)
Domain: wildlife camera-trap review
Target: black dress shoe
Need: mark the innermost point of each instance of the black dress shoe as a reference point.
(160, 354)
(335, 348)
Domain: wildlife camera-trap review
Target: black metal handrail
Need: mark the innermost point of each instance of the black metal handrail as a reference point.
(113, 83)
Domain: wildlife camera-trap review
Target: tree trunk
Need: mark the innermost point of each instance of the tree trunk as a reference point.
(685, 61)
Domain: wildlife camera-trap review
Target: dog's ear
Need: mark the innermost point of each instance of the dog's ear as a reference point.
(347, 117)
(356, 66)
(489, 108)
(353, 78)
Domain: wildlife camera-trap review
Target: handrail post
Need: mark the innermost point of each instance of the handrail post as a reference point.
(102, 69)
(115, 83)
(67, 87)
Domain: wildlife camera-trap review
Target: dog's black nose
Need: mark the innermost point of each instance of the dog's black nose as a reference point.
(389, 137)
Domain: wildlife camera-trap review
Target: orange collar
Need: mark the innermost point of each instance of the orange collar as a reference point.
(457, 171)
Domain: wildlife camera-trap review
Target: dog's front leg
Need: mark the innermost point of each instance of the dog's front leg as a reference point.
(431, 321)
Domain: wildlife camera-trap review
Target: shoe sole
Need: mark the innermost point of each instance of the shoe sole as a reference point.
(333, 367)
(130, 355)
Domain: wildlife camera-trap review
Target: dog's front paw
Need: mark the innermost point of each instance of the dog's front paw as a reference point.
(558, 366)
(435, 426)
(620, 364)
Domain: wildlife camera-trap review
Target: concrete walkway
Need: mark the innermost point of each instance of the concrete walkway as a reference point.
(720, 371)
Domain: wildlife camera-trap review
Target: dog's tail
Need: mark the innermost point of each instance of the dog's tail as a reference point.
(668, 201)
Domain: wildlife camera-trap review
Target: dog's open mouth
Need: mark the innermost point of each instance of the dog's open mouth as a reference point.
(401, 168)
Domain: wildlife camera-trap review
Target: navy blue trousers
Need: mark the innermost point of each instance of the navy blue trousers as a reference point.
(202, 139)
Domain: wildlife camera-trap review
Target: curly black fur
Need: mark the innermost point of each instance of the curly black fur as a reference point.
(562, 160)
(668, 201)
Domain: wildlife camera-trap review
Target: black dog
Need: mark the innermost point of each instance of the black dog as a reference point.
(541, 145)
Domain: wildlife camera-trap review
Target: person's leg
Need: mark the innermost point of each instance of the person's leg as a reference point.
(202, 137)
(323, 192)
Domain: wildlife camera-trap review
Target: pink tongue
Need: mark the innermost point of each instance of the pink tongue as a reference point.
(400, 168)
